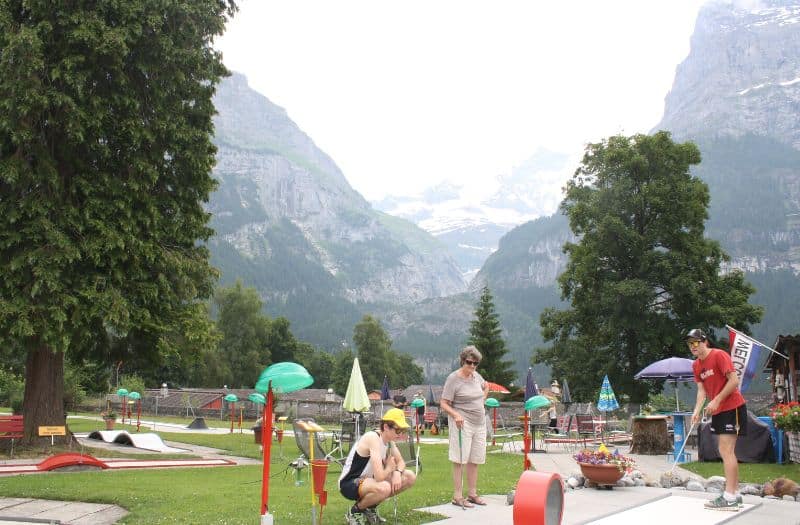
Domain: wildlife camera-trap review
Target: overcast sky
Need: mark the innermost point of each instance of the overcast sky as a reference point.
(405, 94)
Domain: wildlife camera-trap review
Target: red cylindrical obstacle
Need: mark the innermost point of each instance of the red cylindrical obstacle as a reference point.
(279, 434)
(319, 469)
(539, 499)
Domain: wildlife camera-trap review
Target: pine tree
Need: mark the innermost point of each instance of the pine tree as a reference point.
(485, 334)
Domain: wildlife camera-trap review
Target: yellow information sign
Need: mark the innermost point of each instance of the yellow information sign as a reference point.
(52, 431)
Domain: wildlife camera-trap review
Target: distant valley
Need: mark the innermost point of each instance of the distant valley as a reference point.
(289, 224)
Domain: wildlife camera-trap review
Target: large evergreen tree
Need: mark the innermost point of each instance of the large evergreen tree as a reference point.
(642, 272)
(486, 334)
(105, 162)
(376, 359)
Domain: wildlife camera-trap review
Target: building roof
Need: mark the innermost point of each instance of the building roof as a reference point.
(786, 345)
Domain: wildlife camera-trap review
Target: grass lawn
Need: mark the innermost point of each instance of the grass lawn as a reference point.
(231, 495)
(748, 472)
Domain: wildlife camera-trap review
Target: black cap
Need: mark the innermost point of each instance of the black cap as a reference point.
(695, 333)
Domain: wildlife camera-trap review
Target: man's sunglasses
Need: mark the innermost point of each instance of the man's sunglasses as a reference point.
(471, 362)
(692, 344)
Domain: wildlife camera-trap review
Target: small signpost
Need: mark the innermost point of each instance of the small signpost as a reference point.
(52, 431)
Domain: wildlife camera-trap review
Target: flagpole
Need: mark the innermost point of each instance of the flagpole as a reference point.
(757, 341)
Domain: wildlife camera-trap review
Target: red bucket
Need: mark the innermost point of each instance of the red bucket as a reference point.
(319, 469)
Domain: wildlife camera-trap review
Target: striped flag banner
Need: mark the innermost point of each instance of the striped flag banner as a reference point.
(746, 355)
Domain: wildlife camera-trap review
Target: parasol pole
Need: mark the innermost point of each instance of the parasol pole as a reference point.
(266, 441)
(494, 425)
(311, 474)
(526, 462)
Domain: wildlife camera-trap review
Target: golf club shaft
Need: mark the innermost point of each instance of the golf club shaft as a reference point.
(461, 466)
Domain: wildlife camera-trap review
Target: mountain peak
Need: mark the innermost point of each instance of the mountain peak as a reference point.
(742, 75)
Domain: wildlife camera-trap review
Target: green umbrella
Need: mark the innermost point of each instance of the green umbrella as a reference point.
(282, 378)
(356, 399)
(122, 392)
(537, 402)
(285, 377)
(492, 402)
(231, 398)
(135, 395)
(255, 397)
(417, 403)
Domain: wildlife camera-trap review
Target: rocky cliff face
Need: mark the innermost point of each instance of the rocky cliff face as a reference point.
(742, 75)
(737, 95)
(272, 176)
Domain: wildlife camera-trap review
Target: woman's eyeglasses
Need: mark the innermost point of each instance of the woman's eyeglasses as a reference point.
(471, 363)
(397, 430)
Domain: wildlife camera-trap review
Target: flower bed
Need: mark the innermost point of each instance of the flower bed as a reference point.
(787, 416)
(603, 457)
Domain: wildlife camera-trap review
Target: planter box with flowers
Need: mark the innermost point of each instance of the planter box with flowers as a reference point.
(110, 419)
(603, 467)
(787, 418)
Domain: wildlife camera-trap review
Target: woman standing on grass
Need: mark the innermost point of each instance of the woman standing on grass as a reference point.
(462, 399)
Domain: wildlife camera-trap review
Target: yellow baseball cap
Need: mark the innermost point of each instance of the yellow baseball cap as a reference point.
(396, 416)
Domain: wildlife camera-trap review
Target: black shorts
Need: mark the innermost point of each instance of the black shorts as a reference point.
(725, 422)
(349, 488)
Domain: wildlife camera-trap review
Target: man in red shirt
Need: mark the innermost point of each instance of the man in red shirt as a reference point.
(717, 380)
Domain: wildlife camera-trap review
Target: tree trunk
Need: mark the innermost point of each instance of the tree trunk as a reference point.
(650, 436)
(44, 394)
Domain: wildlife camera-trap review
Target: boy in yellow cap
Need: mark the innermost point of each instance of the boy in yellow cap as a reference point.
(375, 470)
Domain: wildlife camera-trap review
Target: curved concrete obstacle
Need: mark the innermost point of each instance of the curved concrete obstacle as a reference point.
(145, 441)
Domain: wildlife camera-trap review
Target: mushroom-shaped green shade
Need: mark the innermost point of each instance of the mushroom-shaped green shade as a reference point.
(417, 403)
(135, 395)
(285, 377)
(122, 392)
(255, 397)
(537, 402)
(231, 398)
(491, 402)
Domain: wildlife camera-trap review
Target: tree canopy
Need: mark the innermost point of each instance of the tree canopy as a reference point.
(105, 163)
(642, 272)
(376, 358)
(486, 334)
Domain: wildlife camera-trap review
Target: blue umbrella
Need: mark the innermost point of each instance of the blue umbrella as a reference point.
(385, 389)
(607, 401)
(674, 368)
(431, 397)
(566, 398)
(530, 385)
(670, 368)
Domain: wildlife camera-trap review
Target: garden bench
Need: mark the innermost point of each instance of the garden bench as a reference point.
(11, 427)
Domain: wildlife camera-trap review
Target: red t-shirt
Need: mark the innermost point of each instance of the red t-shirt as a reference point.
(712, 372)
